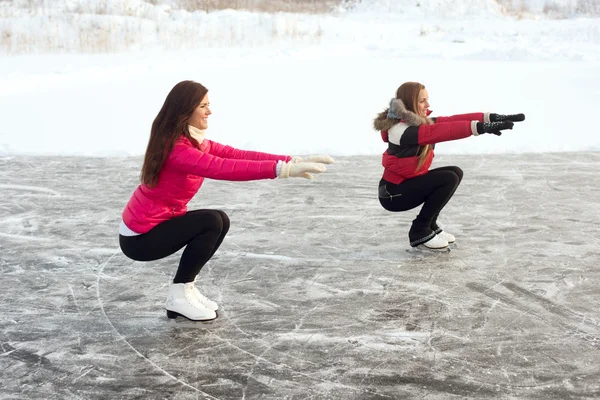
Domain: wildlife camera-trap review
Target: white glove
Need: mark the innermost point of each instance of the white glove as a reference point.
(300, 170)
(322, 158)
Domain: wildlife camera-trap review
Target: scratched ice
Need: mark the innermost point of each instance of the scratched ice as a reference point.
(320, 297)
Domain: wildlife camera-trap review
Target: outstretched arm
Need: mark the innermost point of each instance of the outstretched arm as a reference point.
(447, 131)
(479, 116)
(482, 117)
(190, 160)
(431, 134)
(507, 117)
(225, 151)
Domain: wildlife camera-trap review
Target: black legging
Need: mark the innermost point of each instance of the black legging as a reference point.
(201, 231)
(433, 190)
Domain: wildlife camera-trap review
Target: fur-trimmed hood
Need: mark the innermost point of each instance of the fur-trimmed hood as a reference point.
(395, 113)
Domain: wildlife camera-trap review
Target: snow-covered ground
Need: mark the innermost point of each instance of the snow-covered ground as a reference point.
(296, 83)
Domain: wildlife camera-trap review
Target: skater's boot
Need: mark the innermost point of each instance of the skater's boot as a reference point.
(205, 301)
(435, 243)
(446, 236)
(420, 232)
(440, 232)
(181, 300)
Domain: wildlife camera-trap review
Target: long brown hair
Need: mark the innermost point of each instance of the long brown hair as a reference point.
(408, 92)
(170, 123)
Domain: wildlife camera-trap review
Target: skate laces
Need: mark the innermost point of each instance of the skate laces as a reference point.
(188, 291)
(201, 297)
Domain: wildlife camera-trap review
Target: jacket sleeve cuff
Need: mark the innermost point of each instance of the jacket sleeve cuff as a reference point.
(278, 167)
(474, 128)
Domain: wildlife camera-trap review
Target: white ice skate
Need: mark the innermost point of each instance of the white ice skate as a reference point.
(436, 244)
(182, 301)
(205, 301)
(448, 237)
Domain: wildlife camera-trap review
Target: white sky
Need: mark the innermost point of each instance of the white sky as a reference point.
(313, 91)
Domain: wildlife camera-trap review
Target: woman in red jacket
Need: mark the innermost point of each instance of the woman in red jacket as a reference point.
(156, 222)
(411, 135)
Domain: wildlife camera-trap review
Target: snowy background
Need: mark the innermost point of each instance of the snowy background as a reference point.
(88, 77)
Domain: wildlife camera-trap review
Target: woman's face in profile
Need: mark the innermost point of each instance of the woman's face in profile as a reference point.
(199, 118)
(423, 103)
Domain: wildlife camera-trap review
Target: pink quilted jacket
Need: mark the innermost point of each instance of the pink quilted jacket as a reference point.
(183, 174)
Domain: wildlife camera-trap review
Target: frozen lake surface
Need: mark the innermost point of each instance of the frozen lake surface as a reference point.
(320, 296)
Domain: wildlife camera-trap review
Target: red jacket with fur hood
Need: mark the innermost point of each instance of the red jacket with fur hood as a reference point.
(406, 132)
(182, 175)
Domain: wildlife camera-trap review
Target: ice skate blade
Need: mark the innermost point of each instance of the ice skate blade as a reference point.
(424, 249)
(179, 320)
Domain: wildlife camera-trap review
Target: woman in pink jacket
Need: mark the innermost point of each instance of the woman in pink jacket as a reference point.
(156, 222)
(411, 136)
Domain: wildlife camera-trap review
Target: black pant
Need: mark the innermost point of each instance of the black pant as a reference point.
(433, 190)
(200, 231)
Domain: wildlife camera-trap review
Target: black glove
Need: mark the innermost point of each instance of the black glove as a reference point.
(494, 127)
(509, 117)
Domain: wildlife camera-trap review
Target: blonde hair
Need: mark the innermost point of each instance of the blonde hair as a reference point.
(408, 92)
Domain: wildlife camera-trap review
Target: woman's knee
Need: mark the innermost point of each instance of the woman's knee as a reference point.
(213, 221)
(456, 171)
(224, 221)
(459, 173)
(448, 177)
(219, 221)
(445, 171)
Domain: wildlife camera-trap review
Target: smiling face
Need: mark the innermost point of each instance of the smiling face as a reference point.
(423, 103)
(199, 118)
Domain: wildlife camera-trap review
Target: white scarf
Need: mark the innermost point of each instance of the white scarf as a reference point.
(196, 133)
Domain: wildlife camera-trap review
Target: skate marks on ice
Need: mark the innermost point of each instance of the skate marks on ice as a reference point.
(318, 296)
(547, 346)
(273, 337)
(401, 321)
(132, 347)
(264, 361)
(220, 339)
(573, 324)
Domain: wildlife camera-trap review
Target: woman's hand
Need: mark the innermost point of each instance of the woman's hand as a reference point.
(507, 117)
(300, 169)
(494, 127)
